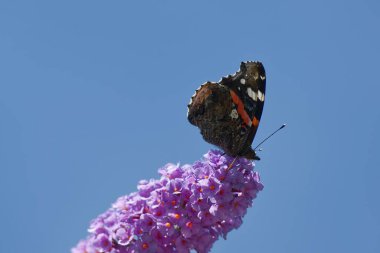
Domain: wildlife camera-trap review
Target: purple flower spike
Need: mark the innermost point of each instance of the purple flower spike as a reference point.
(188, 208)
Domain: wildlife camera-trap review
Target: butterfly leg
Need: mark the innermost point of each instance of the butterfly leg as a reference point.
(232, 163)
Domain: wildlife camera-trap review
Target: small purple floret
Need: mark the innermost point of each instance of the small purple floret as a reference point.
(189, 207)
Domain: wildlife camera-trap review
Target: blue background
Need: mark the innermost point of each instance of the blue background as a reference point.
(93, 98)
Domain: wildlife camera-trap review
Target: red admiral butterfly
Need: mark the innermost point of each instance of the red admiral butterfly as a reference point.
(228, 112)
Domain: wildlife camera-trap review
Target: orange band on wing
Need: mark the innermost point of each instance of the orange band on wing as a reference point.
(255, 122)
(240, 108)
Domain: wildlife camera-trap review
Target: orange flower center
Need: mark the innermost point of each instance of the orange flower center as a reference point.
(189, 224)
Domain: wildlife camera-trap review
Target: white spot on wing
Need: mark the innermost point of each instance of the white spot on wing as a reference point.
(242, 81)
(234, 114)
(252, 94)
(262, 77)
(261, 96)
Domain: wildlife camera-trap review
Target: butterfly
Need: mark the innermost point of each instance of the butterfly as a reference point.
(228, 112)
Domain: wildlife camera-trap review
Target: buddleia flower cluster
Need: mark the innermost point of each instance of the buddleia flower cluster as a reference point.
(188, 208)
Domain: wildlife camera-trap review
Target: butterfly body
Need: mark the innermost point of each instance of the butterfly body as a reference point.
(228, 113)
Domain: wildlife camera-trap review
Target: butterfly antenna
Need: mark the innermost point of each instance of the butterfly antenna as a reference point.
(256, 149)
(281, 127)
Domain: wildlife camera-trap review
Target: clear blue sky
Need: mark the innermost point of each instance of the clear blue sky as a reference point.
(93, 98)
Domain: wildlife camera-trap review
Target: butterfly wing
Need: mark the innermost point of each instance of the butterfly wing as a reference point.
(210, 110)
(247, 90)
(228, 112)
